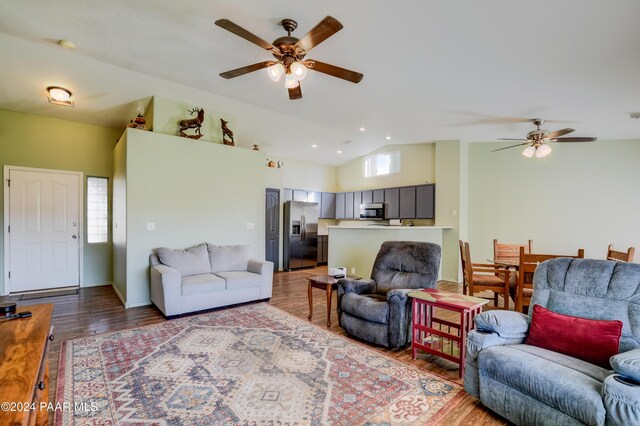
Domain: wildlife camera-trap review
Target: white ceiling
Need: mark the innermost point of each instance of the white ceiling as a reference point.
(433, 70)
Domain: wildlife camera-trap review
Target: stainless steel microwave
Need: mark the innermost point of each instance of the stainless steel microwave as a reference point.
(373, 211)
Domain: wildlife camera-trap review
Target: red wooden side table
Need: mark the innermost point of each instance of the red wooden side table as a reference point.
(441, 341)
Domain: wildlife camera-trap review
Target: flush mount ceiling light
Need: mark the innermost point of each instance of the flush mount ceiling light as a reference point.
(59, 96)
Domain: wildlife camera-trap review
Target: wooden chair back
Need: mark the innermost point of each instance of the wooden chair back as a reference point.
(509, 254)
(467, 267)
(528, 262)
(620, 256)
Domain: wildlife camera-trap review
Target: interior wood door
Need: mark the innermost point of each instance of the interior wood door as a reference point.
(44, 230)
(272, 228)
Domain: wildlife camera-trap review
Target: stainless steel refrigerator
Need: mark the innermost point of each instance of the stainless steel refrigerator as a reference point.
(300, 235)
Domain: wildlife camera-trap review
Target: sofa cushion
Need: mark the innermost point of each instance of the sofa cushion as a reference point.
(190, 261)
(228, 258)
(240, 279)
(594, 341)
(567, 384)
(203, 283)
(371, 307)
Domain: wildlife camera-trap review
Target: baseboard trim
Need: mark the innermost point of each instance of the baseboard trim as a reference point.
(124, 302)
(136, 304)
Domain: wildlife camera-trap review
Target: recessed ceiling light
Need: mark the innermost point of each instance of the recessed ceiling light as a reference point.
(388, 138)
(66, 44)
(59, 96)
(339, 152)
(314, 146)
(362, 129)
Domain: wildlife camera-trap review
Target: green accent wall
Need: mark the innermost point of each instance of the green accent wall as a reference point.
(583, 195)
(193, 191)
(42, 142)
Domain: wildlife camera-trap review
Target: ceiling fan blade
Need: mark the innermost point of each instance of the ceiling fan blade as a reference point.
(512, 146)
(553, 135)
(333, 70)
(296, 92)
(325, 29)
(239, 31)
(511, 139)
(245, 70)
(574, 139)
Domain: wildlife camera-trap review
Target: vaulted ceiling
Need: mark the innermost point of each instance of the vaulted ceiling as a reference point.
(433, 70)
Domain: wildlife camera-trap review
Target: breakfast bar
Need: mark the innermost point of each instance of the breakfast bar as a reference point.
(356, 247)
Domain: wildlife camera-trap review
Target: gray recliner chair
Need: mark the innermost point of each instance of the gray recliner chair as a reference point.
(378, 310)
(530, 385)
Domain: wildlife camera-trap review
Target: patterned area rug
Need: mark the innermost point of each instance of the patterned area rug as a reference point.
(250, 365)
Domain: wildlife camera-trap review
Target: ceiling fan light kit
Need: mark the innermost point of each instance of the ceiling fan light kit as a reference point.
(289, 53)
(538, 140)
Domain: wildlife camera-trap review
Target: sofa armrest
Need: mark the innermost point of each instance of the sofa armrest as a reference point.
(399, 317)
(507, 324)
(627, 364)
(621, 400)
(347, 285)
(265, 269)
(166, 288)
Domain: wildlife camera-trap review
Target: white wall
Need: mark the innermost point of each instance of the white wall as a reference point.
(583, 195)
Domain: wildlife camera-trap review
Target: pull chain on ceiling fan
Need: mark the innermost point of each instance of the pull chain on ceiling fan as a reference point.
(289, 53)
(538, 140)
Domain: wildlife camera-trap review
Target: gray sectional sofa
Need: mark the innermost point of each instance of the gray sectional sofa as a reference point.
(207, 276)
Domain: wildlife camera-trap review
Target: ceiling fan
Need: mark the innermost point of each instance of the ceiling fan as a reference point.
(289, 53)
(538, 140)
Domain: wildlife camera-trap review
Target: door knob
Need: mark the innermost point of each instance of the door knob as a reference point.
(74, 237)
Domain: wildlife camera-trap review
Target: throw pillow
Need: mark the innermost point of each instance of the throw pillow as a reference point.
(590, 340)
(190, 261)
(228, 258)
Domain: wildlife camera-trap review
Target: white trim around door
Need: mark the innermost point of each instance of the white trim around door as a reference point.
(80, 232)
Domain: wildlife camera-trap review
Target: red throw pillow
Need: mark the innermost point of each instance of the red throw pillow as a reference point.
(594, 341)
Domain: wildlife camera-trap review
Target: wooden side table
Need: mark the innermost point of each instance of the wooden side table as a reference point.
(441, 341)
(327, 283)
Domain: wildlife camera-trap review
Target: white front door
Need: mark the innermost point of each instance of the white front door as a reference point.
(44, 230)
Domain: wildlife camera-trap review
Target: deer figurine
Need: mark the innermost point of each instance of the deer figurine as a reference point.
(226, 132)
(192, 123)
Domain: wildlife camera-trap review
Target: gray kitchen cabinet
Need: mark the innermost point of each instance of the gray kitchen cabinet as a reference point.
(357, 200)
(378, 196)
(299, 195)
(288, 194)
(340, 205)
(367, 197)
(328, 205)
(425, 201)
(392, 203)
(314, 197)
(408, 202)
(348, 205)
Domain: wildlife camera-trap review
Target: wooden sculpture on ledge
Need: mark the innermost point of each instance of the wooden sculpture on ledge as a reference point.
(192, 123)
(226, 132)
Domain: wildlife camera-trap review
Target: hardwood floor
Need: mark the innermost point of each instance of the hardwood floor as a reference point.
(97, 310)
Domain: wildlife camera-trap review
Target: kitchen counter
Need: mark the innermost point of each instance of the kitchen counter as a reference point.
(354, 246)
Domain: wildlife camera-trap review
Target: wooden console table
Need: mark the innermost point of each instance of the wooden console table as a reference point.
(24, 369)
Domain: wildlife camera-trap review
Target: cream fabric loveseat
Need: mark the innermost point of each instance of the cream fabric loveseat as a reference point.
(207, 276)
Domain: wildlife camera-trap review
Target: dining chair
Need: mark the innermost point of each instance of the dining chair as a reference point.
(620, 256)
(479, 277)
(509, 254)
(528, 262)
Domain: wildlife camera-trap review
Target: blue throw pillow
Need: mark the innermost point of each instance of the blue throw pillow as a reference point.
(627, 364)
(507, 324)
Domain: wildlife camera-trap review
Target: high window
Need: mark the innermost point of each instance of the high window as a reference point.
(97, 210)
(382, 164)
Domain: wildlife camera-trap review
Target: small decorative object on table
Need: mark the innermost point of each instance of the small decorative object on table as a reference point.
(139, 122)
(271, 163)
(227, 132)
(434, 335)
(192, 123)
